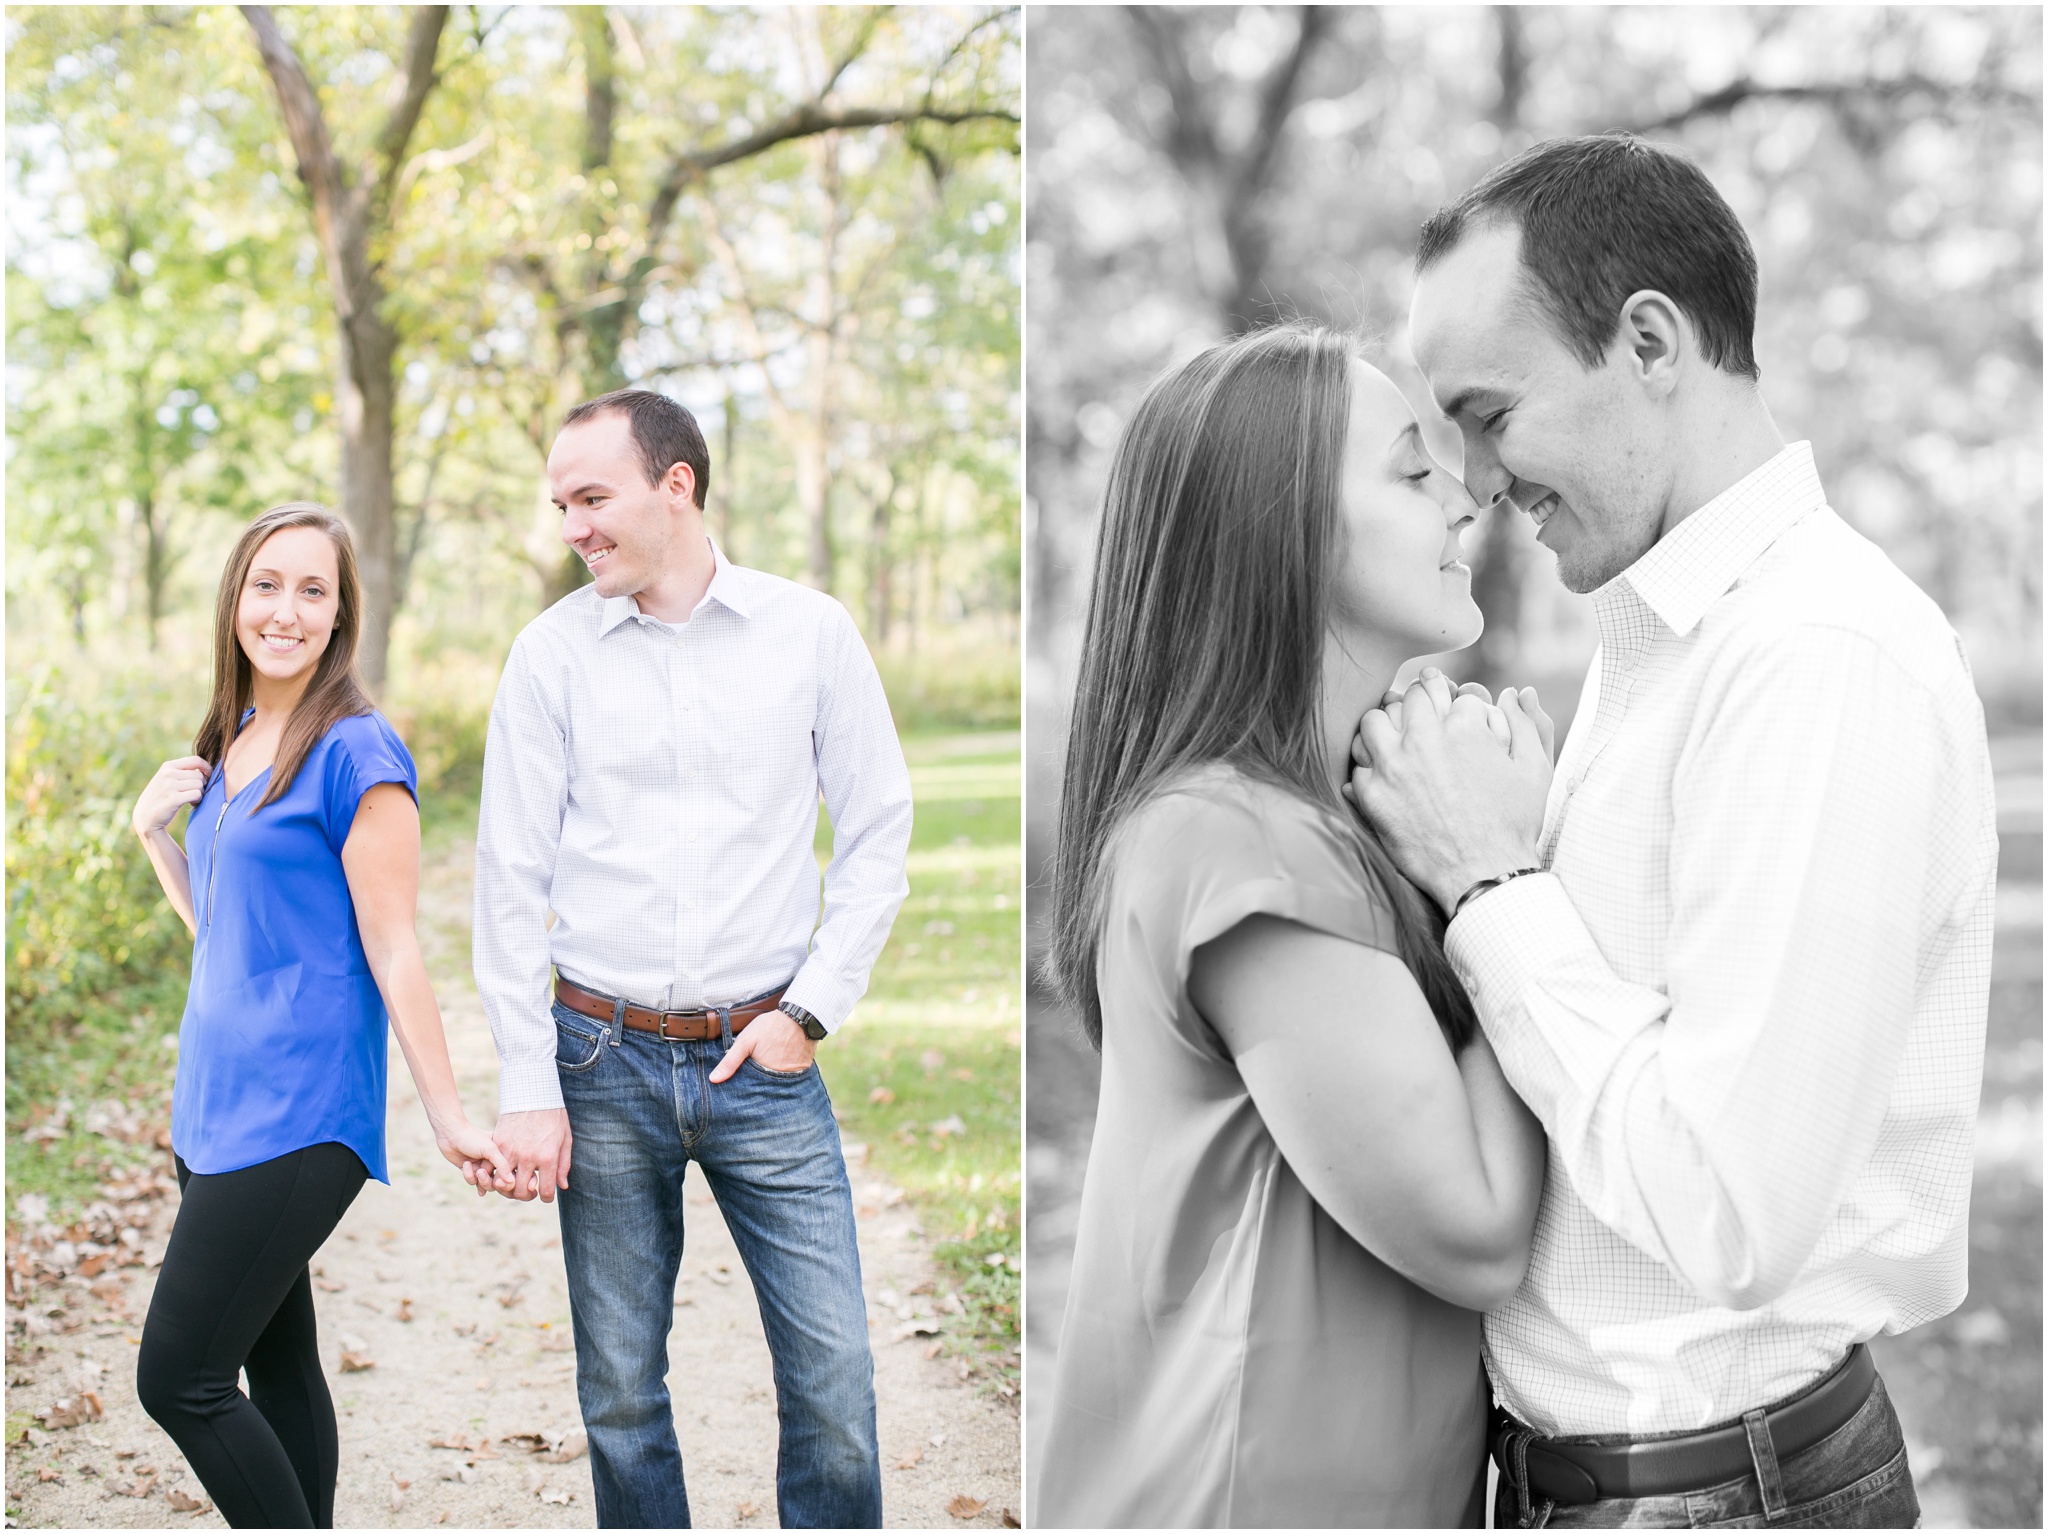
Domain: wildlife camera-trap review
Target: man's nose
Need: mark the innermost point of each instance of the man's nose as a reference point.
(1485, 477)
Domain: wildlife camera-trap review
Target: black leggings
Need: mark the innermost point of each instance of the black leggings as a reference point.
(235, 1294)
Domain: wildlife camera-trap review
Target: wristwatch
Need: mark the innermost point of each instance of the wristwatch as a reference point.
(813, 1029)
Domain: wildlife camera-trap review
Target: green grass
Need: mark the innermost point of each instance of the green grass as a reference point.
(937, 1037)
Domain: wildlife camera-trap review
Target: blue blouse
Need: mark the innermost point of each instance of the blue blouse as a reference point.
(283, 1041)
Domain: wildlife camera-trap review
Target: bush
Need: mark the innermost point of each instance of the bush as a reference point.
(87, 923)
(953, 686)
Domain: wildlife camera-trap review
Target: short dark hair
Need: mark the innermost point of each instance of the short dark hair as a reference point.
(665, 433)
(1605, 215)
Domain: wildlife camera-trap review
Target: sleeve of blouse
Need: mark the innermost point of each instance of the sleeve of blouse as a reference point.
(1204, 859)
(366, 752)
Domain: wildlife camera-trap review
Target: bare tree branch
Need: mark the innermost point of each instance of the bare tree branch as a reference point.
(319, 168)
(801, 122)
(408, 95)
(1733, 94)
(1277, 97)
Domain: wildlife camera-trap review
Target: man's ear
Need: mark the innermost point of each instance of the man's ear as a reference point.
(681, 481)
(1656, 336)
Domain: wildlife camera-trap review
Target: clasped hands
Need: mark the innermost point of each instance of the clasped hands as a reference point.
(1453, 782)
(527, 1155)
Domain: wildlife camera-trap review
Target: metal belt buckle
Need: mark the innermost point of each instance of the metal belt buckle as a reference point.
(661, 1028)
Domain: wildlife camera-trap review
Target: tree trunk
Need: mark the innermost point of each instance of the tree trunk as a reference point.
(365, 392)
(880, 566)
(352, 215)
(727, 480)
(1502, 563)
(142, 494)
(813, 485)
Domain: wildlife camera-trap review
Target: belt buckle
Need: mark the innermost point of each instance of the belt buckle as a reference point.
(661, 1028)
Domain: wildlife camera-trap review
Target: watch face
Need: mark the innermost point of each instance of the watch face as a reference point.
(814, 1030)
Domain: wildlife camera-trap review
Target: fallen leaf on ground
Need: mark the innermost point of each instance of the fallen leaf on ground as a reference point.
(574, 1445)
(1010, 1520)
(964, 1506)
(139, 1487)
(911, 1460)
(405, 1310)
(355, 1363)
(746, 1509)
(72, 1411)
(456, 1442)
(331, 1285)
(881, 1095)
(49, 1473)
(951, 1124)
(559, 1498)
(934, 1350)
(181, 1502)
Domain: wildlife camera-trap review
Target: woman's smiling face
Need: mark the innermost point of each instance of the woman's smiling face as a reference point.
(289, 604)
(1401, 579)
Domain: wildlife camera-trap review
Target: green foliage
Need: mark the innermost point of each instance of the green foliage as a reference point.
(96, 960)
(928, 1075)
(959, 687)
(86, 921)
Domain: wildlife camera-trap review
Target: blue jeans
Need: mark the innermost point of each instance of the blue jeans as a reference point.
(1855, 1478)
(640, 1110)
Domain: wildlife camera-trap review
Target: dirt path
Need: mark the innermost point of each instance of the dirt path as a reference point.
(459, 1308)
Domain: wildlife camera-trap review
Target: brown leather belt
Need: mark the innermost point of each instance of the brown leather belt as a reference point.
(1571, 1473)
(692, 1026)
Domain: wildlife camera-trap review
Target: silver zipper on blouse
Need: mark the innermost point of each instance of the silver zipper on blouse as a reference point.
(213, 863)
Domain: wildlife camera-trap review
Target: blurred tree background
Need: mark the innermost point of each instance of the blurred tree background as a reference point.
(369, 256)
(1194, 172)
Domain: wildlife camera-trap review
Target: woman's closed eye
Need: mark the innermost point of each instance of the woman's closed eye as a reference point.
(1487, 423)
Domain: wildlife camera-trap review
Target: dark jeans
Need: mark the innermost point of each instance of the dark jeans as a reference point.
(640, 1110)
(1855, 1478)
(234, 1294)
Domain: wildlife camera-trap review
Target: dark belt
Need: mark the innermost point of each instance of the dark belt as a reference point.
(1563, 1471)
(691, 1026)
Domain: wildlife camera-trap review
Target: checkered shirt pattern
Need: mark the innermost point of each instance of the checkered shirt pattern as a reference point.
(1747, 998)
(656, 787)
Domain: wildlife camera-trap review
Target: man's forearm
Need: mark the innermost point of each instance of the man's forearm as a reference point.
(1642, 1134)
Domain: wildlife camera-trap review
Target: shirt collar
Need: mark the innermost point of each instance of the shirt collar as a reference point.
(1692, 566)
(728, 588)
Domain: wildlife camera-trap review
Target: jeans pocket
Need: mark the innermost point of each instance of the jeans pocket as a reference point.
(1883, 1499)
(751, 1064)
(575, 1050)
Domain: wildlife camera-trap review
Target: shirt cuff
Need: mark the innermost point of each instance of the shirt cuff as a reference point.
(1506, 936)
(529, 1084)
(822, 995)
(1551, 1004)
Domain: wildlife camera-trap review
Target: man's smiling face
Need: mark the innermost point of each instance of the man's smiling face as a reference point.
(623, 528)
(1574, 447)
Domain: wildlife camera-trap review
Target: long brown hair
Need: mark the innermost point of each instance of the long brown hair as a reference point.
(1221, 525)
(336, 690)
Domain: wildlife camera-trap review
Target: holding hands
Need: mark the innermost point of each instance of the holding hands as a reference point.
(1453, 782)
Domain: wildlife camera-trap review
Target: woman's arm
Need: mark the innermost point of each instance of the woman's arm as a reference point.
(382, 861)
(1429, 1162)
(177, 784)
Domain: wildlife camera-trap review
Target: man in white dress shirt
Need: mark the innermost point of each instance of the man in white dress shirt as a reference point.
(1735, 951)
(656, 752)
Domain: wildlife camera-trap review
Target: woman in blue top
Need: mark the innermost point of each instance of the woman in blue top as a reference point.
(298, 879)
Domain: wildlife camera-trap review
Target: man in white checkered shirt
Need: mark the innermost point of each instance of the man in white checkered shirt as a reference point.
(1735, 951)
(657, 749)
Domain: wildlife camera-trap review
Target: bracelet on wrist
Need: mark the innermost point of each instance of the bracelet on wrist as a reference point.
(1486, 884)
